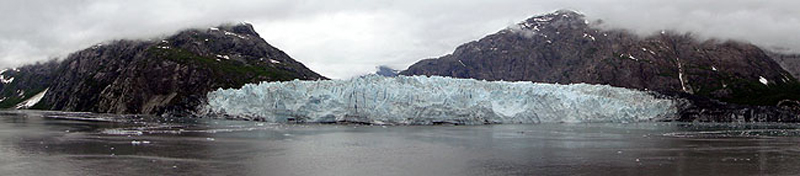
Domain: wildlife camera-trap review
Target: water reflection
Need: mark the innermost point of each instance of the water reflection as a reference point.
(33, 145)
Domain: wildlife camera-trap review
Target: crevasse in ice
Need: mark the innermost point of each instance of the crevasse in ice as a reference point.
(431, 100)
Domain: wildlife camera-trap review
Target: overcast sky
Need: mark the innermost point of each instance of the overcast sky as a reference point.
(345, 38)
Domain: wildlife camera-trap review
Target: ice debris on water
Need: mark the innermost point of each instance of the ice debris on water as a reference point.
(135, 142)
(432, 100)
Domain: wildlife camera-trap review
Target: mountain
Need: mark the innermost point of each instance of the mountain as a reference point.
(563, 47)
(790, 62)
(386, 71)
(171, 75)
(20, 84)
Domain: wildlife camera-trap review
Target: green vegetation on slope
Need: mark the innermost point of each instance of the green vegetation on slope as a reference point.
(236, 71)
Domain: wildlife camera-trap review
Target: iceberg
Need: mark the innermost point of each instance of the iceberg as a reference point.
(421, 100)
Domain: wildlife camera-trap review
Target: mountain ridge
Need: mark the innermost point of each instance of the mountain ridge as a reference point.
(715, 81)
(564, 47)
(167, 76)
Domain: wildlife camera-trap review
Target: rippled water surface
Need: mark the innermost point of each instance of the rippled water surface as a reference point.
(46, 143)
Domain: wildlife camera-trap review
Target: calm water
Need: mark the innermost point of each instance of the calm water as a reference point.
(31, 144)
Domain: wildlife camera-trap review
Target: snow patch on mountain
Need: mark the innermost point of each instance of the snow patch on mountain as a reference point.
(3, 78)
(30, 102)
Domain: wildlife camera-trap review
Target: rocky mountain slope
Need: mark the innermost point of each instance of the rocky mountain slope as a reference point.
(563, 47)
(171, 75)
(790, 62)
(20, 84)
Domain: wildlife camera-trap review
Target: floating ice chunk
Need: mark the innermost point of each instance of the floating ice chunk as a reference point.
(763, 80)
(213, 29)
(135, 142)
(274, 61)
(117, 131)
(431, 100)
(713, 68)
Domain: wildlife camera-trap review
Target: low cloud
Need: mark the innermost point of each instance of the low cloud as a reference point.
(341, 39)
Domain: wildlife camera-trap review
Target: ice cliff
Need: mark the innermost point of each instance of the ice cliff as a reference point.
(432, 100)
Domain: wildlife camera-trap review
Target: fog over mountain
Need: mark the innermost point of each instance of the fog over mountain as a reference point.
(346, 38)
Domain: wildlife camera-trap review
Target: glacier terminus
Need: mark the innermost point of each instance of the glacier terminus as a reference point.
(421, 100)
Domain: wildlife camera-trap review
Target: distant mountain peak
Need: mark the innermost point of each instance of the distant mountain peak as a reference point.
(242, 28)
(563, 47)
(568, 12)
(550, 22)
(558, 15)
(386, 71)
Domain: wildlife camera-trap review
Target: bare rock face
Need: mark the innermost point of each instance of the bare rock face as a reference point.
(23, 83)
(563, 47)
(790, 62)
(172, 75)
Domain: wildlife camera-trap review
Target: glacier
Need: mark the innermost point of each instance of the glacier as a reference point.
(421, 100)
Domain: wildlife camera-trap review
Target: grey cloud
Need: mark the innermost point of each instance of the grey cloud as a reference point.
(346, 38)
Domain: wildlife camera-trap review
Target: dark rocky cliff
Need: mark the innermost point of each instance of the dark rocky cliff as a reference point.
(20, 84)
(172, 75)
(562, 47)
